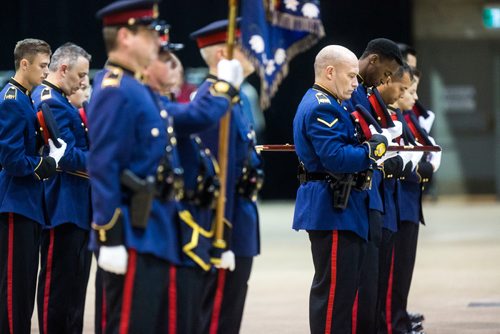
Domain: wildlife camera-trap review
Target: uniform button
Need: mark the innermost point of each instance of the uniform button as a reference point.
(163, 113)
(155, 132)
(170, 130)
(173, 141)
(249, 135)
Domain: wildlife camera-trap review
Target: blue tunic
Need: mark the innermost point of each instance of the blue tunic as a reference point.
(390, 217)
(325, 141)
(127, 131)
(243, 238)
(67, 195)
(21, 188)
(409, 201)
(376, 192)
(195, 222)
(246, 237)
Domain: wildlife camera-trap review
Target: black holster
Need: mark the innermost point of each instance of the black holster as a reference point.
(141, 200)
(169, 181)
(340, 186)
(250, 182)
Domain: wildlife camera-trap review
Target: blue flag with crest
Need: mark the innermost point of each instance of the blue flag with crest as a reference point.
(273, 32)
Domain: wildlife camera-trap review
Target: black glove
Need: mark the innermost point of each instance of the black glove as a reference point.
(377, 146)
(424, 171)
(393, 167)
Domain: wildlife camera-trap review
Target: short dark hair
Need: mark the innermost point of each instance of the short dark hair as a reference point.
(407, 50)
(28, 49)
(384, 48)
(405, 68)
(417, 73)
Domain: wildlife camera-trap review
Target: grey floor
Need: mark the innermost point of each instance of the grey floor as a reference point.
(456, 280)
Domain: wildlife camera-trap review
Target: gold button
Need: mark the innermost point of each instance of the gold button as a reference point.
(221, 87)
(155, 132)
(163, 113)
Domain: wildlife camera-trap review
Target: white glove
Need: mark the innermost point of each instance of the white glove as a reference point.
(230, 71)
(57, 153)
(396, 130)
(113, 259)
(384, 133)
(415, 158)
(387, 155)
(406, 156)
(435, 157)
(227, 261)
(426, 123)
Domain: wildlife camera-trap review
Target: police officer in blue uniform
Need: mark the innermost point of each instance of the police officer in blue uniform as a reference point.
(201, 185)
(22, 214)
(390, 93)
(131, 162)
(331, 203)
(65, 259)
(409, 193)
(226, 290)
(380, 60)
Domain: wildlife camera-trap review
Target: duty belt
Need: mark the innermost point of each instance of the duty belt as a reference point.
(340, 185)
(355, 178)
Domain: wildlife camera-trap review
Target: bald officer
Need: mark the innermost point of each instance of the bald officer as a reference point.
(331, 204)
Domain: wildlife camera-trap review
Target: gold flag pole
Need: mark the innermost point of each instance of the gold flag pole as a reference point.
(225, 122)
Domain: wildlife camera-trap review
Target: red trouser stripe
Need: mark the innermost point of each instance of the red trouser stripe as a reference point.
(48, 275)
(219, 295)
(10, 263)
(128, 290)
(172, 300)
(355, 313)
(103, 311)
(333, 282)
(388, 299)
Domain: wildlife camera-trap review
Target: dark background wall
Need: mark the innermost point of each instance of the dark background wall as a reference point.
(349, 23)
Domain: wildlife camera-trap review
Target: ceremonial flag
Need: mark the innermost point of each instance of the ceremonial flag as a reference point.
(273, 32)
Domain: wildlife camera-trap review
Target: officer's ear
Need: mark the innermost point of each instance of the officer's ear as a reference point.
(374, 58)
(122, 36)
(63, 69)
(330, 72)
(24, 63)
(221, 53)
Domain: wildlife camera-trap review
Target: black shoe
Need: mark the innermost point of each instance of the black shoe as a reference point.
(416, 317)
(417, 326)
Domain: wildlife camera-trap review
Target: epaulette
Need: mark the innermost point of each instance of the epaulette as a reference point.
(46, 94)
(10, 94)
(322, 98)
(224, 89)
(112, 78)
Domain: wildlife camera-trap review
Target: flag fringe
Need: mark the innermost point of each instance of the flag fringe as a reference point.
(297, 23)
